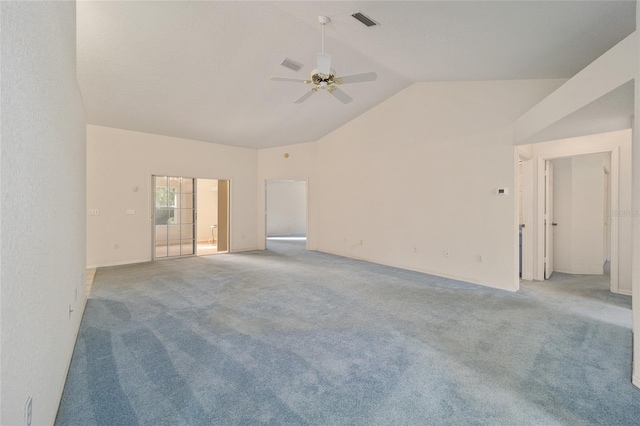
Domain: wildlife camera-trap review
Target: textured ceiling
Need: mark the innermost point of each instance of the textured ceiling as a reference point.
(200, 70)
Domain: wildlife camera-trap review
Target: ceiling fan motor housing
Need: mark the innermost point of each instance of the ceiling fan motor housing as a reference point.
(317, 78)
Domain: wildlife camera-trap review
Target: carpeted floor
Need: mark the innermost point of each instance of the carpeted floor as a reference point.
(285, 336)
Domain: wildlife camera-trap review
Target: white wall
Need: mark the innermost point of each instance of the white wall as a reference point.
(43, 201)
(119, 160)
(604, 142)
(207, 193)
(613, 69)
(286, 207)
(416, 176)
(578, 209)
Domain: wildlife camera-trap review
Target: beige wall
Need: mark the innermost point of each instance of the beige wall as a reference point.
(119, 161)
(415, 177)
(42, 207)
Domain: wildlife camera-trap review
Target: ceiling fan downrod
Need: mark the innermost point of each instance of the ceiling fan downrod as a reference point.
(324, 20)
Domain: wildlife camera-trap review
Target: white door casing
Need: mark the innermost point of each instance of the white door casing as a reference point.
(548, 220)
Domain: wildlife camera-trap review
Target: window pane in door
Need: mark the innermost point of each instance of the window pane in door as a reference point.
(187, 201)
(175, 217)
(164, 215)
(186, 215)
(187, 232)
(187, 186)
(173, 232)
(161, 250)
(174, 248)
(161, 181)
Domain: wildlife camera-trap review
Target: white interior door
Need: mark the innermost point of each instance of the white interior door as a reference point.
(548, 220)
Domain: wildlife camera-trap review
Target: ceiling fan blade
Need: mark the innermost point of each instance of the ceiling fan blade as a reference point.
(357, 78)
(340, 95)
(294, 80)
(324, 64)
(304, 97)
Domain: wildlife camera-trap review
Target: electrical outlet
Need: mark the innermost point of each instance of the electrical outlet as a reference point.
(116, 245)
(479, 258)
(415, 249)
(28, 411)
(446, 253)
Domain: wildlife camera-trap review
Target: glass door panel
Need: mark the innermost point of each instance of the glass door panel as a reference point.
(187, 186)
(173, 216)
(187, 201)
(187, 248)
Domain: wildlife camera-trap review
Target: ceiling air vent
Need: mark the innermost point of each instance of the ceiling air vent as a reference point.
(365, 19)
(291, 64)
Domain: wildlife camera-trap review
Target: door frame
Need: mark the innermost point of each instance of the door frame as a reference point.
(607, 208)
(548, 219)
(527, 215)
(536, 245)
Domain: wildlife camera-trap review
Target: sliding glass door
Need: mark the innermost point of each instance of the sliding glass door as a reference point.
(174, 202)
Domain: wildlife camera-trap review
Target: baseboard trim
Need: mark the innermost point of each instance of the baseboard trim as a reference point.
(578, 271)
(427, 272)
(240, 250)
(126, 262)
(635, 380)
(68, 366)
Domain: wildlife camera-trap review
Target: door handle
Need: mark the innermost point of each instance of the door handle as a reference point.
(554, 224)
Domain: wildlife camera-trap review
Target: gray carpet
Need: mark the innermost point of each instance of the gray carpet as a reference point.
(285, 336)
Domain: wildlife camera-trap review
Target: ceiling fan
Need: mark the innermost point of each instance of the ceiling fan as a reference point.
(324, 78)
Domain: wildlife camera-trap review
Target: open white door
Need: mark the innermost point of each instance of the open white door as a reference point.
(548, 220)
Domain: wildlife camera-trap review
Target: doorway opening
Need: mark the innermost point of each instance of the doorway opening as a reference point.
(178, 204)
(212, 213)
(286, 211)
(580, 193)
(571, 197)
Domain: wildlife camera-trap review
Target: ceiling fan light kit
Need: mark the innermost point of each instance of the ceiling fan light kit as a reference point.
(323, 78)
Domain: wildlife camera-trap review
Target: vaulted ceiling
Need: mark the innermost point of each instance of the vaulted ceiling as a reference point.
(200, 70)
